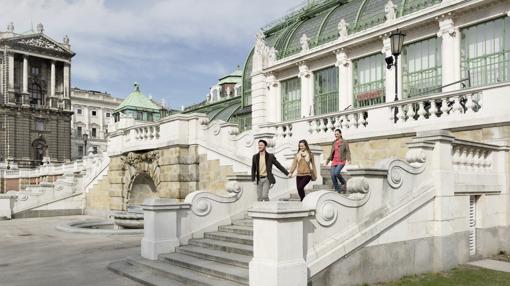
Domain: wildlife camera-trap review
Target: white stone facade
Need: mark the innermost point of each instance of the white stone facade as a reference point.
(93, 112)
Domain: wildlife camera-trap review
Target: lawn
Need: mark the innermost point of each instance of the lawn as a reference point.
(462, 275)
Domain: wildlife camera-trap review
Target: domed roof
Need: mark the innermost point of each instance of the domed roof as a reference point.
(138, 101)
(319, 21)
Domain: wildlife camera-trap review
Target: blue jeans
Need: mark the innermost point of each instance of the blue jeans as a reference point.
(335, 176)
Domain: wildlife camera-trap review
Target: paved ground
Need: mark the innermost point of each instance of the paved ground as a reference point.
(492, 264)
(34, 253)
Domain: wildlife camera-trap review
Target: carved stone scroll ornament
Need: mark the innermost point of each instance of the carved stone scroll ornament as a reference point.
(327, 204)
(202, 202)
(399, 170)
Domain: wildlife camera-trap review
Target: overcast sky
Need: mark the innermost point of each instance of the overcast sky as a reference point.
(176, 49)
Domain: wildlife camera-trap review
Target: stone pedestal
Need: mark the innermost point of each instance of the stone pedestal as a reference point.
(6, 205)
(278, 258)
(160, 226)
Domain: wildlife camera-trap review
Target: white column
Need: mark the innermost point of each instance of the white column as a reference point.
(306, 78)
(272, 106)
(67, 80)
(11, 71)
(278, 244)
(450, 48)
(52, 79)
(160, 234)
(390, 73)
(25, 74)
(344, 80)
(259, 94)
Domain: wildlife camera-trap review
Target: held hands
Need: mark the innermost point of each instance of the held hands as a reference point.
(325, 163)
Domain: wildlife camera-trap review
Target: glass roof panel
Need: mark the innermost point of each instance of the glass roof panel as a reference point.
(347, 12)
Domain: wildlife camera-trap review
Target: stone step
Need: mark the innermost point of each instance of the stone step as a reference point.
(243, 222)
(216, 255)
(171, 272)
(222, 245)
(230, 237)
(142, 275)
(239, 229)
(213, 268)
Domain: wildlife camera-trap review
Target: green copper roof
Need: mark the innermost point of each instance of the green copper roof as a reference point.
(233, 77)
(319, 19)
(137, 100)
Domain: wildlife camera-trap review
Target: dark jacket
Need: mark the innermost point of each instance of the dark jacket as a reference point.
(270, 161)
(345, 152)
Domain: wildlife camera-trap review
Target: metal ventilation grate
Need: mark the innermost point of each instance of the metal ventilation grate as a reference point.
(472, 225)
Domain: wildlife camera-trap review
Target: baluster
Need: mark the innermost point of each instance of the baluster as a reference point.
(477, 161)
(470, 105)
(355, 119)
(401, 115)
(344, 123)
(457, 107)
(456, 157)
(421, 111)
(352, 120)
(444, 107)
(330, 124)
(319, 126)
(392, 114)
(470, 162)
(433, 110)
(362, 121)
(311, 126)
(338, 122)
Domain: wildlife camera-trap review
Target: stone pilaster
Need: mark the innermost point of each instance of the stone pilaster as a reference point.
(273, 105)
(450, 48)
(306, 77)
(344, 80)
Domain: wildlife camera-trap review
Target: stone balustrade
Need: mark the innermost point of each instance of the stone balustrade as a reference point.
(448, 110)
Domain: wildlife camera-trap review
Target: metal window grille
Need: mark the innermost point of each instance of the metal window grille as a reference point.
(291, 99)
(368, 81)
(421, 69)
(326, 91)
(485, 53)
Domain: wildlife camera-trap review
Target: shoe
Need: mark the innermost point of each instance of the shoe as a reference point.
(343, 189)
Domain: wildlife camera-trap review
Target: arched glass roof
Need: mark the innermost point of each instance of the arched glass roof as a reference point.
(319, 21)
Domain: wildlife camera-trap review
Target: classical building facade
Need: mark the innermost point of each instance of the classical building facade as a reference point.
(93, 111)
(35, 98)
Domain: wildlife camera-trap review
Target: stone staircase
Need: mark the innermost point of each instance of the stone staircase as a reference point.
(219, 258)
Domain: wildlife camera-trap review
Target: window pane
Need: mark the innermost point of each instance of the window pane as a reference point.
(291, 99)
(326, 91)
(421, 69)
(486, 52)
(368, 80)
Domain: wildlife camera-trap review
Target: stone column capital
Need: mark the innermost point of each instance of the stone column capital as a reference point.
(446, 25)
(341, 58)
(304, 70)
